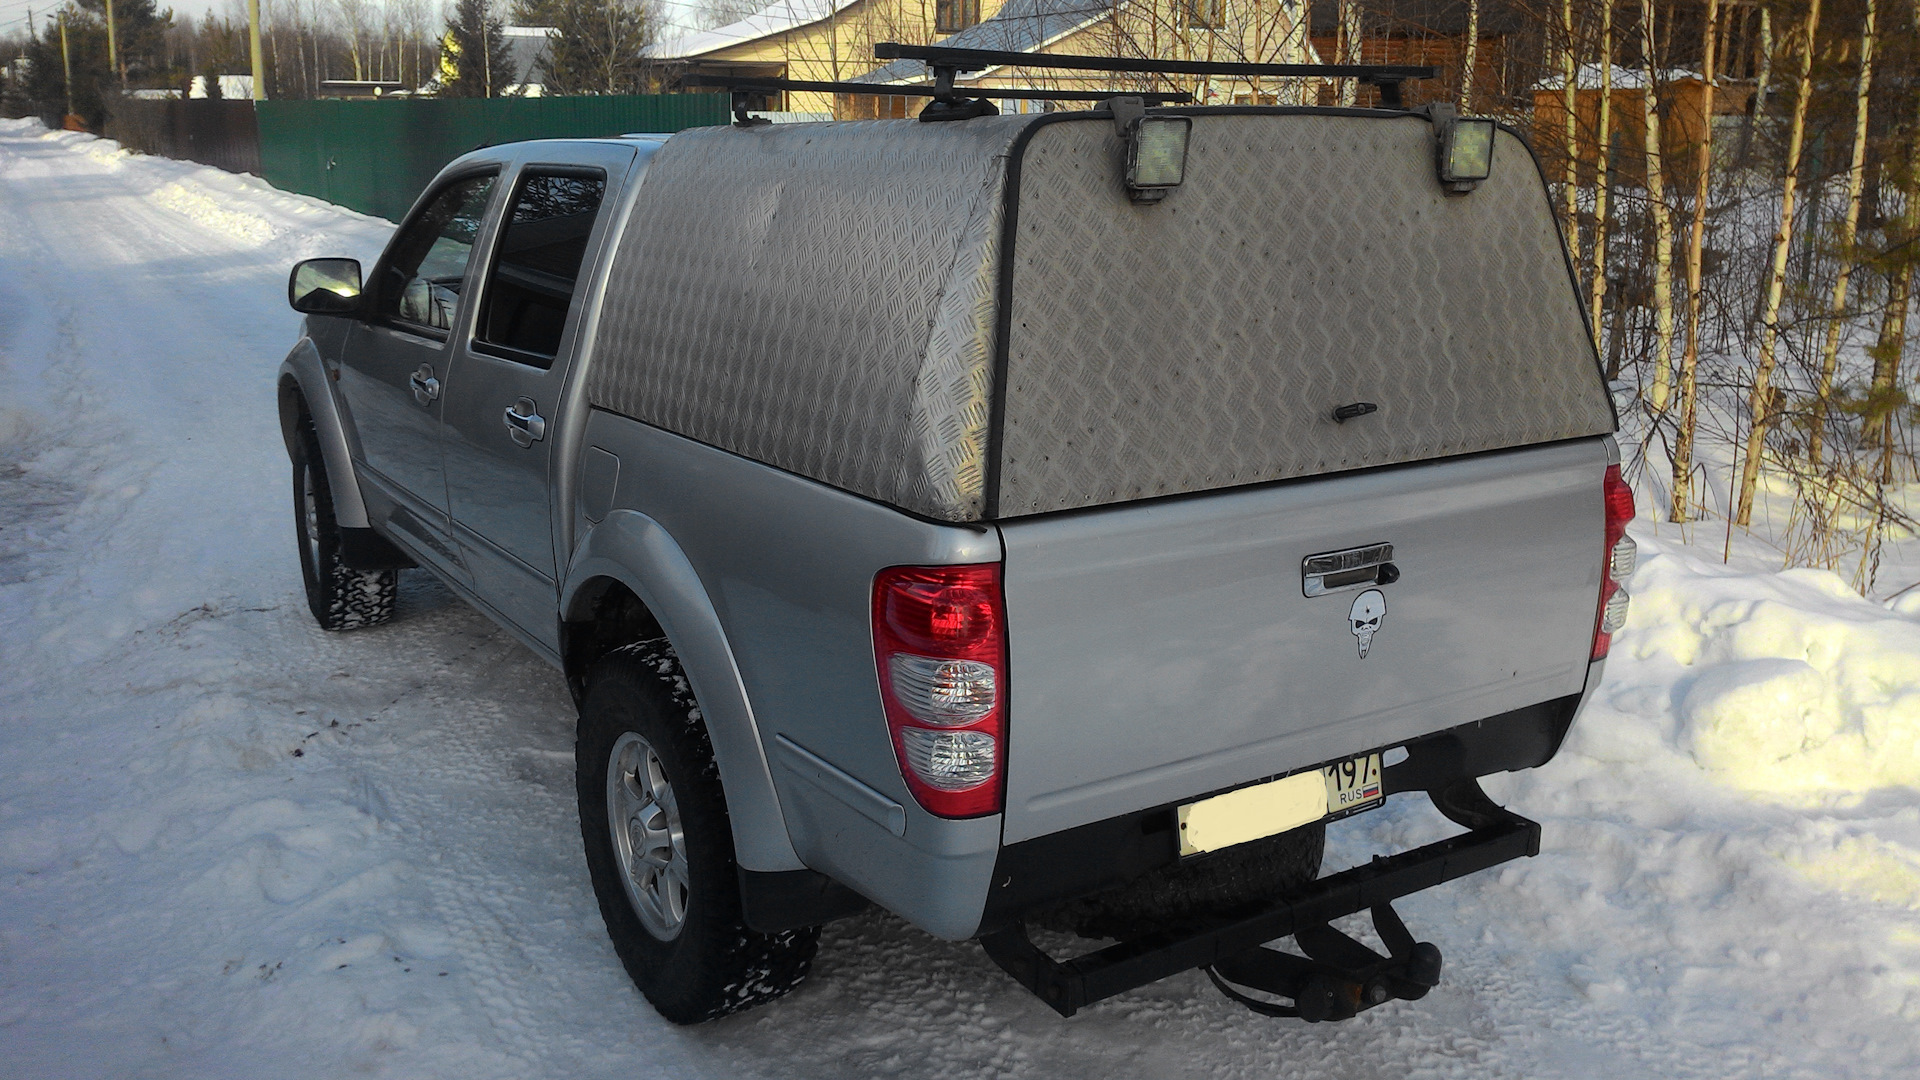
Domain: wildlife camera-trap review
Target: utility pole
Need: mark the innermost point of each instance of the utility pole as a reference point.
(113, 48)
(66, 62)
(253, 46)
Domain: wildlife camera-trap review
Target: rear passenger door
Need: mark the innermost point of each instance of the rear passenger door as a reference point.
(506, 393)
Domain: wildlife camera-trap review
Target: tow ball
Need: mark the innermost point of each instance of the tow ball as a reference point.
(1339, 978)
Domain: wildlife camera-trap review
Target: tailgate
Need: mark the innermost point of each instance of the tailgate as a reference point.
(1160, 651)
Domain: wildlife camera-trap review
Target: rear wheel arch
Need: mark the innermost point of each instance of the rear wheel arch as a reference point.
(605, 614)
(629, 581)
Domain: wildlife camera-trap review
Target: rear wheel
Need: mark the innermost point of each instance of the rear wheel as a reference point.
(1236, 880)
(340, 597)
(659, 846)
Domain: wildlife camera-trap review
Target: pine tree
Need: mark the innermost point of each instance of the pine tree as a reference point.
(141, 31)
(596, 46)
(46, 85)
(474, 58)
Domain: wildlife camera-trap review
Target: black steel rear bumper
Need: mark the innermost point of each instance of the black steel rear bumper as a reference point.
(1035, 874)
(1495, 835)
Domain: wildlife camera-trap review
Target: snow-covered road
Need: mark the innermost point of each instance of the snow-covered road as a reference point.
(234, 846)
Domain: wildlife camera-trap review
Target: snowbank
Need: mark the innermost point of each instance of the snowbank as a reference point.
(1798, 687)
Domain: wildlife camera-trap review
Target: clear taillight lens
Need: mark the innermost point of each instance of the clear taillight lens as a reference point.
(1621, 553)
(944, 692)
(1614, 615)
(939, 641)
(1620, 563)
(950, 760)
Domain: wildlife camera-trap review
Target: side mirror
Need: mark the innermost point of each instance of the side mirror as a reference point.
(325, 286)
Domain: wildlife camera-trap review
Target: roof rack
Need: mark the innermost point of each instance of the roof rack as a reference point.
(947, 62)
(952, 102)
(943, 92)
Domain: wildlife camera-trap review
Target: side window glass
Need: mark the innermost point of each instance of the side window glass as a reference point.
(429, 260)
(540, 249)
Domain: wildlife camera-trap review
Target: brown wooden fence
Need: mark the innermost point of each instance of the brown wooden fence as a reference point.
(220, 133)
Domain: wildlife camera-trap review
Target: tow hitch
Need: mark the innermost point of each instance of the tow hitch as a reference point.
(1338, 978)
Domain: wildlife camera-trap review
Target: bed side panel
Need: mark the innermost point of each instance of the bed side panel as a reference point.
(821, 298)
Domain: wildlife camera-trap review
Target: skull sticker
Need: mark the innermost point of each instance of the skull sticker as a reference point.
(1368, 609)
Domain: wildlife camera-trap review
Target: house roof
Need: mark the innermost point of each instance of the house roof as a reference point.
(777, 17)
(1020, 26)
(526, 45)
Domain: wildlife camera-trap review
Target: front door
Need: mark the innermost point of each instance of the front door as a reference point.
(505, 395)
(395, 364)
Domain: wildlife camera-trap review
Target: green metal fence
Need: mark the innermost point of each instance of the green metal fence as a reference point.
(376, 156)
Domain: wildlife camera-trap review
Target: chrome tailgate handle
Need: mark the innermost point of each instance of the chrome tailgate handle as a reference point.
(1354, 568)
(524, 424)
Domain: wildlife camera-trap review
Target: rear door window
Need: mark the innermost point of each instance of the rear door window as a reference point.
(537, 262)
(428, 262)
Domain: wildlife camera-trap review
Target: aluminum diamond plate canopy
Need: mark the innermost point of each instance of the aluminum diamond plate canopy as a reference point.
(824, 298)
(1307, 262)
(819, 297)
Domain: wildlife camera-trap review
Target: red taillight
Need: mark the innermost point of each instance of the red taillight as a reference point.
(940, 646)
(1617, 565)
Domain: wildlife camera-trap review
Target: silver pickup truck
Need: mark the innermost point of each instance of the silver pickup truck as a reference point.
(1031, 520)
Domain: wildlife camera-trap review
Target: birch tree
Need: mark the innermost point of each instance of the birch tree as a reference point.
(1471, 54)
(1760, 402)
(1764, 76)
(1662, 218)
(1349, 46)
(1849, 224)
(1602, 180)
(1569, 99)
(1888, 351)
(1696, 239)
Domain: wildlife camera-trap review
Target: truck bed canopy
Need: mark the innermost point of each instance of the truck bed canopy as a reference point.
(971, 320)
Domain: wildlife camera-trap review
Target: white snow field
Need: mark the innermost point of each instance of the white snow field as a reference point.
(232, 845)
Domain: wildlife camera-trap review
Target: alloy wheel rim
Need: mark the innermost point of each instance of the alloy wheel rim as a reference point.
(648, 841)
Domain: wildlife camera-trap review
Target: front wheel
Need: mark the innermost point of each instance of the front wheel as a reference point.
(340, 597)
(659, 846)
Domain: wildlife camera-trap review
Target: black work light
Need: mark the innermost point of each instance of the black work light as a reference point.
(1464, 148)
(1156, 156)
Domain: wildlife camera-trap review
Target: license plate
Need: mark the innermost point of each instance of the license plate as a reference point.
(1345, 787)
(1353, 785)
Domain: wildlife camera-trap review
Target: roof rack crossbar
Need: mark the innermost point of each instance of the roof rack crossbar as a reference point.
(938, 57)
(933, 90)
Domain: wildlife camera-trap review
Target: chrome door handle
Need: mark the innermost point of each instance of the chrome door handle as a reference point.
(425, 386)
(524, 424)
(1354, 568)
